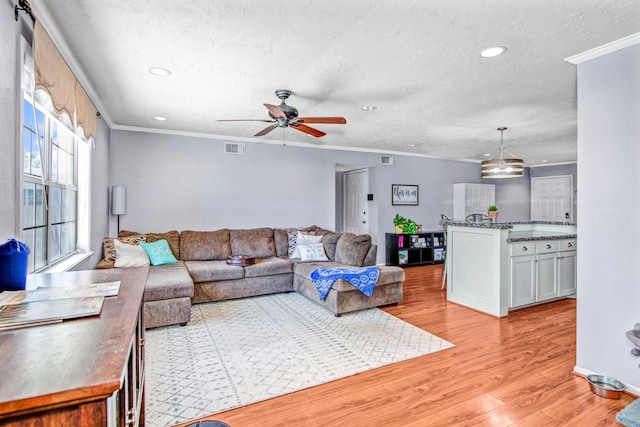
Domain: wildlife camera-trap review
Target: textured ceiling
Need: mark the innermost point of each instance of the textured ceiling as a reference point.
(417, 61)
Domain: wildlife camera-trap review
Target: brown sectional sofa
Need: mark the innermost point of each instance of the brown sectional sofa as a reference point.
(202, 273)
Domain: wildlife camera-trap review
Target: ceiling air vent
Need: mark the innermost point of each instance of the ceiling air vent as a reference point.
(386, 160)
(233, 148)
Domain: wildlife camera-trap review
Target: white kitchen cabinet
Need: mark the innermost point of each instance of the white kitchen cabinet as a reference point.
(542, 271)
(546, 283)
(566, 266)
(472, 199)
(523, 280)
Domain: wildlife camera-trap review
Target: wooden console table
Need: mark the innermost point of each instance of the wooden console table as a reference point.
(87, 372)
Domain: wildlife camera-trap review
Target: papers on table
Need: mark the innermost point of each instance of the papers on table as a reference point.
(53, 304)
(106, 289)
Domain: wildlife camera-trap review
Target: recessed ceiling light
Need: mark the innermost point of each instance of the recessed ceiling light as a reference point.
(369, 108)
(486, 154)
(161, 118)
(545, 161)
(493, 51)
(159, 71)
(411, 145)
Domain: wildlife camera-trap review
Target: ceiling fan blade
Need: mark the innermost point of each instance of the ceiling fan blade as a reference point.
(266, 130)
(308, 130)
(275, 110)
(246, 120)
(327, 120)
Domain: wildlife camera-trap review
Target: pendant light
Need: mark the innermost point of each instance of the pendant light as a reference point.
(497, 166)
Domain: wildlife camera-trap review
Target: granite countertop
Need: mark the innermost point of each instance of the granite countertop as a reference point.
(526, 236)
(486, 224)
(520, 236)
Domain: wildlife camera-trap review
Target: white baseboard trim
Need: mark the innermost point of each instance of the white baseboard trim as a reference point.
(631, 389)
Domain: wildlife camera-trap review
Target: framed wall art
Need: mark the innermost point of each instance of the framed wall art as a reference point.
(404, 195)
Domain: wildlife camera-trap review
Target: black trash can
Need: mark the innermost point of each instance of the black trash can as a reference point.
(14, 258)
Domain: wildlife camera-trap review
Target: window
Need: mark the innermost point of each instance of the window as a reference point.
(49, 187)
(54, 176)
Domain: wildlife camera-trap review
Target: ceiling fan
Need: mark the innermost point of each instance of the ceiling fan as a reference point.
(284, 115)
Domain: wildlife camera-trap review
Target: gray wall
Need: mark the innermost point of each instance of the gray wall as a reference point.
(180, 182)
(608, 277)
(513, 197)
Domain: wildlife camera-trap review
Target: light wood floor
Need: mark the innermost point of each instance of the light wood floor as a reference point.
(515, 371)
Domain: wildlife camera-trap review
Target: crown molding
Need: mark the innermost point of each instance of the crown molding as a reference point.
(604, 49)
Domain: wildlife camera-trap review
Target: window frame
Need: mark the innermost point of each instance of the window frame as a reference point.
(78, 185)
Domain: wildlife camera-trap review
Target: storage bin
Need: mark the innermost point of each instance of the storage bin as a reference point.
(14, 257)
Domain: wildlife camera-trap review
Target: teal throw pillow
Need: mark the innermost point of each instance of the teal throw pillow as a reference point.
(159, 252)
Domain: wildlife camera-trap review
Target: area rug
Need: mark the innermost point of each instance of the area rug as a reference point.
(233, 353)
(630, 415)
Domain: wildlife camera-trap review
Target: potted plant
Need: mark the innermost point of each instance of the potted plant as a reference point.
(492, 212)
(405, 225)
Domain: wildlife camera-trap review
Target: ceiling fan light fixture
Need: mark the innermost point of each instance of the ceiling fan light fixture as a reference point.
(158, 71)
(493, 51)
(500, 167)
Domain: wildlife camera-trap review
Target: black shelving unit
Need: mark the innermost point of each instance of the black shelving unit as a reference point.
(406, 250)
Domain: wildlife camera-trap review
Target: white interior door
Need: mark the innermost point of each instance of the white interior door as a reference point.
(355, 202)
(552, 198)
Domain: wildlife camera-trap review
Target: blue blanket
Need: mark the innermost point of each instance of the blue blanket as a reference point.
(362, 278)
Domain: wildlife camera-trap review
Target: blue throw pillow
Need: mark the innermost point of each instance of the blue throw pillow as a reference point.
(159, 252)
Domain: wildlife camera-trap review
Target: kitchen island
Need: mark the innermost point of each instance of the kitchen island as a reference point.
(495, 267)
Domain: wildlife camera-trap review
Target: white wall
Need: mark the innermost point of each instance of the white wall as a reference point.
(10, 32)
(609, 227)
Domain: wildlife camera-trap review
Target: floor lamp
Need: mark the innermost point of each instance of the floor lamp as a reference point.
(118, 202)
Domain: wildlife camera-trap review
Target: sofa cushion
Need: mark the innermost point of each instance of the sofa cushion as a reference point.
(304, 239)
(109, 250)
(268, 267)
(314, 252)
(330, 241)
(256, 241)
(172, 237)
(208, 271)
(129, 255)
(388, 274)
(292, 236)
(352, 249)
(281, 241)
(204, 245)
(305, 268)
(168, 282)
(159, 252)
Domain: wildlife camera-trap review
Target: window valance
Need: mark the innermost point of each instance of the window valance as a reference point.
(54, 76)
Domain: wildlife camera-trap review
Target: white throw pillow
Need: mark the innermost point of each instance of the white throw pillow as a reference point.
(129, 255)
(304, 239)
(314, 252)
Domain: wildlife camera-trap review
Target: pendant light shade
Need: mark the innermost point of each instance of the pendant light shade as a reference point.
(497, 166)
